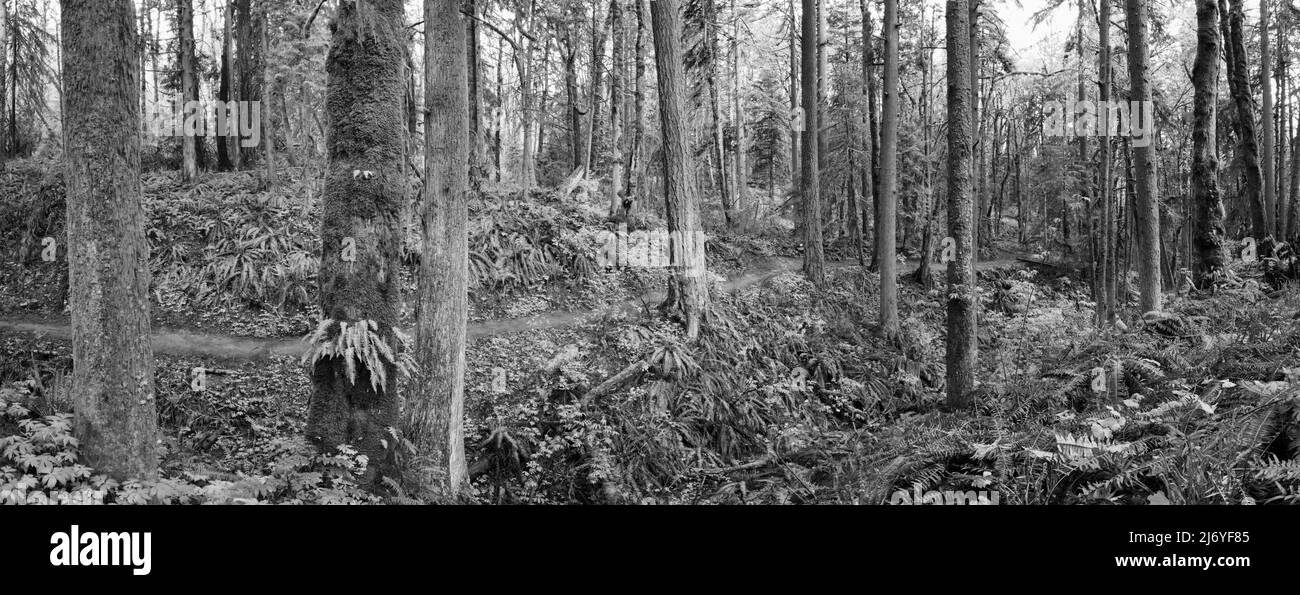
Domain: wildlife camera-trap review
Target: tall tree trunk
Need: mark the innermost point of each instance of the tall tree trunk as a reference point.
(870, 195)
(1106, 311)
(636, 160)
(688, 290)
(189, 92)
(250, 63)
(268, 134)
(4, 43)
(360, 230)
(523, 55)
(616, 106)
(795, 131)
(741, 178)
(434, 416)
(108, 254)
(810, 186)
(962, 347)
(477, 142)
(1207, 220)
(1267, 147)
(887, 224)
(1247, 139)
(1147, 211)
(715, 111)
(571, 94)
(596, 79)
(228, 144)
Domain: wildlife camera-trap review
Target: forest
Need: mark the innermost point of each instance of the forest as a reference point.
(1015, 252)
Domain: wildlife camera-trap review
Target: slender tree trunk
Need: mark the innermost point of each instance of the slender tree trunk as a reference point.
(571, 94)
(1207, 225)
(636, 159)
(795, 131)
(810, 186)
(1267, 146)
(434, 415)
(227, 144)
(268, 134)
(4, 43)
(1147, 213)
(688, 291)
(870, 196)
(886, 226)
(189, 92)
(1106, 311)
(616, 106)
(596, 80)
(715, 111)
(472, 62)
(108, 254)
(741, 178)
(360, 230)
(962, 345)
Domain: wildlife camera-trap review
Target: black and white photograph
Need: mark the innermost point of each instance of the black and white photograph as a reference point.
(867, 259)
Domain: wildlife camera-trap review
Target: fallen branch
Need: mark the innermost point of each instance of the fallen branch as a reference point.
(617, 381)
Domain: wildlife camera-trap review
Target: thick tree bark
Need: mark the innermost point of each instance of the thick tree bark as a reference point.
(810, 182)
(1146, 215)
(962, 346)
(1247, 139)
(886, 226)
(1207, 218)
(251, 63)
(434, 415)
(688, 290)
(108, 254)
(362, 206)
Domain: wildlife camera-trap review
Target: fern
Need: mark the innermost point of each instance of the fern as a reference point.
(359, 344)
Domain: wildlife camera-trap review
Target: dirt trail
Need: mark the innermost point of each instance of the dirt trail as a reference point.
(194, 344)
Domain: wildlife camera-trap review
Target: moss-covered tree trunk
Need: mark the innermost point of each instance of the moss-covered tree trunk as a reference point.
(189, 90)
(1231, 21)
(1207, 203)
(434, 414)
(1146, 213)
(108, 255)
(360, 227)
(814, 258)
(962, 348)
(688, 290)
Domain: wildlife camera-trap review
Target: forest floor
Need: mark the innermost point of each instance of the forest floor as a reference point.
(789, 396)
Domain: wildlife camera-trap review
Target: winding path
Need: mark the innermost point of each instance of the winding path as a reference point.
(196, 344)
